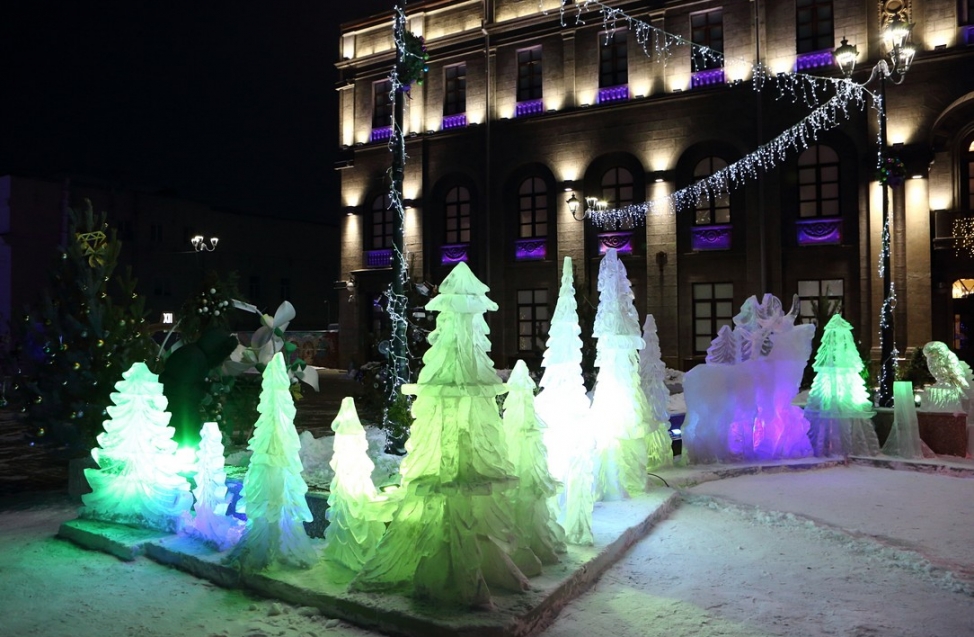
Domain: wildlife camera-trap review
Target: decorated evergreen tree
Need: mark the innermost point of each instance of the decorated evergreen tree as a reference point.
(536, 527)
(619, 405)
(210, 521)
(137, 481)
(450, 537)
(89, 327)
(652, 378)
(356, 519)
(563, 406)
(839, 410)
(273, 489)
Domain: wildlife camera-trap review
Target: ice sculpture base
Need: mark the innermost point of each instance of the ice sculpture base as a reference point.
(616, 526)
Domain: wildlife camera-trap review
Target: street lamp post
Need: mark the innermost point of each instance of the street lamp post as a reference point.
(901, 52)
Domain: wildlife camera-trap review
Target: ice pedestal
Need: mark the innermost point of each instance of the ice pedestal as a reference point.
(904, 438)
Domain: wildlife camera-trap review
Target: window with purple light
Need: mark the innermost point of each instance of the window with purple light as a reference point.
(707, 33)
(381, 107)
(455, 90)
(613, 59)
(529, 85)
(814, 30)
(716, 209)
(618, 189)
(965, 14)
(457, 216)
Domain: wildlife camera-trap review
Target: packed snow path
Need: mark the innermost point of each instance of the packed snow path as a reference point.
(730, 561)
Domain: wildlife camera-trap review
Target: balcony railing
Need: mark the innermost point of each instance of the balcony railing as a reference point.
(710, 77)
(814, 60)
(529, 107)
(454, 253)
(454, 121)
(378, 258)
(813, 232)
(613, 94)
(534, 249)
(620, 240)
(380, 134)
(711, 237)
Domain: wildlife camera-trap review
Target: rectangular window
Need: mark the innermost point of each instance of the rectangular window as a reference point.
(532, 320)
(455, 101)
(381, 104)
(613, 59)
(285, 290)
(529, 74)
(966, 13)
(707, 33)
(814, 30)
(713, 308)
(819, 299)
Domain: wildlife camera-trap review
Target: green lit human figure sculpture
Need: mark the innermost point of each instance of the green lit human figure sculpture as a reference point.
(137, 481)
(839, 410)
(652, 379)
(210, 521)
(536, 526)
(618, 405)
(563, 406)
(356, 516)
(451, 538)
(273, 489)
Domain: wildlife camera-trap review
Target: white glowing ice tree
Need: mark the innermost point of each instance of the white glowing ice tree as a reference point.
(273, 489)
(839, 410)
(355, 519)
(618, 406)
(210, 521)
(451, 538)
(137, 481)
(563, 406)
(536, 526)
(652, 378)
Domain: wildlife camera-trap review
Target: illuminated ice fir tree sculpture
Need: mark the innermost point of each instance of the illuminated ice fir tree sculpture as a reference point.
(137, 481)
(356, 521)
(652, 378)
(210, 521)
(452, 537)
(839, 410)
(536, 527)
(563, 406)
(619, 406)
(273, 489)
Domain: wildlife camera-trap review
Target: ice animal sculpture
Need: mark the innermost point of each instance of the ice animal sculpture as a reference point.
(951, 389)
(357, 514)
(652, 379)
(210, 521)
(137, 482)
(453, 535)
(739, 403)
(537, 528)
(618, 404)
(563, 406)
(839, 410)
(273, 489)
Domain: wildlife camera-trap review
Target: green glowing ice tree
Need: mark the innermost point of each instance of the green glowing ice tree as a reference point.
(536, 527)
(451, 536)
(137, 481)
(273, 488)
(652, 377)
(210, 521)
(619, 405)
(355, 520)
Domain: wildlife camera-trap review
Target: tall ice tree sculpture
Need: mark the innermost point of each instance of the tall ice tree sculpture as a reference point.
(563, 406)
(536, 526)
(210, 521)
(137, 481)
(652, 378)
(451, 538)
(273, 489)
(618, 406)
(355, 515)
(839, 410)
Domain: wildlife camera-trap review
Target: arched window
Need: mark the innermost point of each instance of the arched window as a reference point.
(967, 176)
(533, 208)
(457, 215)
(716, 209)
(381, 223)
(818, 182)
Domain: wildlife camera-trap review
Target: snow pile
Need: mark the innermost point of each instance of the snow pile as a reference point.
(316, 458)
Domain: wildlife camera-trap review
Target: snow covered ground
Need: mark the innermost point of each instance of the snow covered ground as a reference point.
(850, 551)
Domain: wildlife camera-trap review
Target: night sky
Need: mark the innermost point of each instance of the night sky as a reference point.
(227, 103)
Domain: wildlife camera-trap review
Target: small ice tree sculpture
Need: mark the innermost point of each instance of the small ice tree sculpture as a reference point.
(273, 488)
(355, 518)
(839, 410)
(210, 521)
(453, 536)
(619, 405)
(724, 349)
(137, 481)
(652, 378)
(536, 527)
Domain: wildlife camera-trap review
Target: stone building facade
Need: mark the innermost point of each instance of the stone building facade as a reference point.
(522, 108)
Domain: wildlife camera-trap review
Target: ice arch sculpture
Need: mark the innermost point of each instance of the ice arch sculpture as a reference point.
(739, 403)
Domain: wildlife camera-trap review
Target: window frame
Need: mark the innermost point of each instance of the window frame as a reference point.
(455, 89)
(716, 319)
(613, 58)
(458, 209)
(819, 183)
(382, 103)
(818, 39)
(537, 326)
(534, 204)
(806, 314)
(703, 35)
(530, 74)
(381, 205)
(711, 205)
